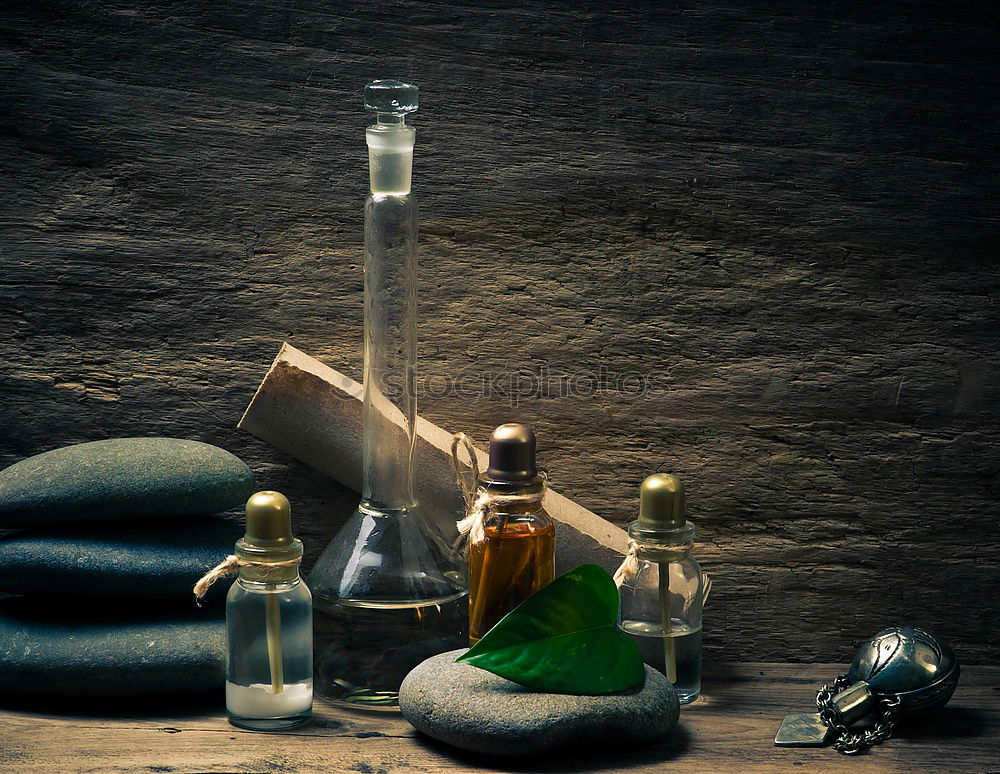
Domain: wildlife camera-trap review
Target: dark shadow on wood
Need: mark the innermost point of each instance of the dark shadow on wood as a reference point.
(181, 705)
(946, 723)
(733, 672)
(610, 757)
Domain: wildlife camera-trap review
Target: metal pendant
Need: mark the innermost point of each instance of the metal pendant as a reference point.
(898, 670)
(803, 730)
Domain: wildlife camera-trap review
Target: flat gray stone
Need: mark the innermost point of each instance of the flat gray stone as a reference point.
(122, 478)
(107, 650)
(476, 710)
(147, 561)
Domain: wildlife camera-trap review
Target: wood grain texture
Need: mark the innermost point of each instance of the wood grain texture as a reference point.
(778, 219)
(731, 729)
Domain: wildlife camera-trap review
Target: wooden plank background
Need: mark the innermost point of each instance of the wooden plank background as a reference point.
(769, 228)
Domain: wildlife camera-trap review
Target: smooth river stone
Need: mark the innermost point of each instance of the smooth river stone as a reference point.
(122, 478)
(149, 561)
(476, 710)
(107, 649)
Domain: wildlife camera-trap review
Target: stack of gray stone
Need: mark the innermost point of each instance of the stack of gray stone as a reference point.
(108, 539)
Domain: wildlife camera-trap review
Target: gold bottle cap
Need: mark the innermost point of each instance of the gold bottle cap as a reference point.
(661, 502)
(269, 519)
(268, 536)
(661, 512)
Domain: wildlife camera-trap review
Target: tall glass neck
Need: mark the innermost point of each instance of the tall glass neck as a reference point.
(390, 402)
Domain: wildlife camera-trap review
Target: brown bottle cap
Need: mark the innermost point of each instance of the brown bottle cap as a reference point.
(512, 453)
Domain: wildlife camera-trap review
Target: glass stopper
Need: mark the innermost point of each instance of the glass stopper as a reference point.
(392, 100)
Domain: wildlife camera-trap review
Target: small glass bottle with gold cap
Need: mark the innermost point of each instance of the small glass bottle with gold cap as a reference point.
(512, 554)
(269, 674)
(662, 587)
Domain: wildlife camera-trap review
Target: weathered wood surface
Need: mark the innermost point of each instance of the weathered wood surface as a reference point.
(730, 730)
(778, 218)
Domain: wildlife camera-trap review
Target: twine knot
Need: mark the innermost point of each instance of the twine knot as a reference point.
(630, 565)
(230, 566)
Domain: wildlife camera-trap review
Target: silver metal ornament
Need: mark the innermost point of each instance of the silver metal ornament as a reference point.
(910, 664)
(900, 669)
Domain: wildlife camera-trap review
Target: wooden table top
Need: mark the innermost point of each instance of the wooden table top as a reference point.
(731, 729)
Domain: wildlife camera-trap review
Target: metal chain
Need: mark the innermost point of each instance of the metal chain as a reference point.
(848, 742)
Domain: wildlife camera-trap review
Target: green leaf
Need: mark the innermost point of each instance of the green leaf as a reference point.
(564, 639)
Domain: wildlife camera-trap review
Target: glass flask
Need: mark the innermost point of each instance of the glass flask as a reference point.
(661, 603)
(388, 590)
(517, 554)
(269, 672)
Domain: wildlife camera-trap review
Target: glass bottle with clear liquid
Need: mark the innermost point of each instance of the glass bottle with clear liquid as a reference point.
(389, 590)
(269, 672)
(663, 593)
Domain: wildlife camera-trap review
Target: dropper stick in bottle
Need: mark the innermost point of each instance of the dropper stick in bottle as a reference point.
(661, 521)
(269, 540)
(669, 643)
(272, 623)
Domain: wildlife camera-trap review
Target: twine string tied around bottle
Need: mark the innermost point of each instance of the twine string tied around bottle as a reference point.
(479, 501)
(230, 566)
(629, 568)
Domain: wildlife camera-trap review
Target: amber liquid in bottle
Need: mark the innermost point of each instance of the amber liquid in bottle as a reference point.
(516, 559)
